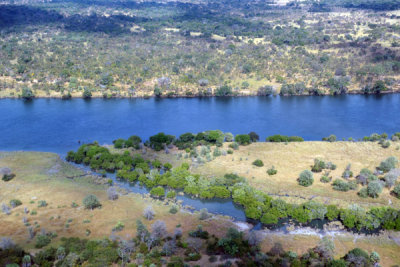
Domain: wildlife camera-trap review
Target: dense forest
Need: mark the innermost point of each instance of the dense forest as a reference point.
(197, 48)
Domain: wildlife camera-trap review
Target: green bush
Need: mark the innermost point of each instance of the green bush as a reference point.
(272, 171)
(258, 163)
(374, 188)
(331, 138)
(157, 191)
(363, 193)
(283, 138)
(42, 203)
(91, 202)
(242, 139)
(306, 178)
(326, 179)
(173, 209)
(42, 241)
(15, 203)
(340, 185)
(87, 94)
(171, 194)
(396, 190)
(388, 164)
(27, 94)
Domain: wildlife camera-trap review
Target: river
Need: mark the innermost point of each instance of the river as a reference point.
(56, 125)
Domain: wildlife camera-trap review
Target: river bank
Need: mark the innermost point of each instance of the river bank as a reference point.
(97, 95)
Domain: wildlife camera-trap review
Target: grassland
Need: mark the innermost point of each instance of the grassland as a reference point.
(291, 159)
(44, 176)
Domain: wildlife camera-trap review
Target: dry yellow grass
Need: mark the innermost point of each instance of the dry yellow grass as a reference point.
(293, 158)
(42, 176)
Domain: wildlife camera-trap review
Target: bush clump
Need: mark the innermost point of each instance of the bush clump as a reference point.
(42, 241)
(388, 164)
(91, 202)
(243, 139)
(283, 138)
(272, 171)
(306, 178)
(258, 163)
(157, 191)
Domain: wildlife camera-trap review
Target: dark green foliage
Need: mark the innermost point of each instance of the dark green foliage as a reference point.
(318, 166)
(157, 191)
(284, 138)
(158, 141)
(15, 203)
(242, 139)
(396, 190)
(91, 202)
(224, 90)
(87, 94)
(27, 94)
(331, 138)
(254, 137)
(272, 171)
(258, 163)
(42, 241)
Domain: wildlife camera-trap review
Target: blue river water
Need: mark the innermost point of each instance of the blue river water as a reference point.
(57, 125)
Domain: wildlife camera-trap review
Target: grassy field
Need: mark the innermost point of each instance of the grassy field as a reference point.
(43, 176)
(291, 159)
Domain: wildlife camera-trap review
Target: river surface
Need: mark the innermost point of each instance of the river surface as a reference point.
(57, 125)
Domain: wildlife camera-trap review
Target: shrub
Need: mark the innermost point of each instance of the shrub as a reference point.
(15, 203)
(148, 213)
(42, 241)
(87, 94)
(6, 174)
(234, 146)
(171, 194)
(363, 192)
(340, 185)
(283, 138)
(173, 209)
(306, 178)
(167, 166)
(326, 179)
(272, 171)
(254, 137)
(27, 94)
(112, 193)
(374, 188)
(331, 138)
(42, 203)
(318, 166)
(243, 139)
(385, 144)
(396, 190)
(258, 163)
(157, 191)
(224, 90)
(91, 202)
(204, 214)
(388, 164)
(347, 172)
(119, 226)
(269, 218)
